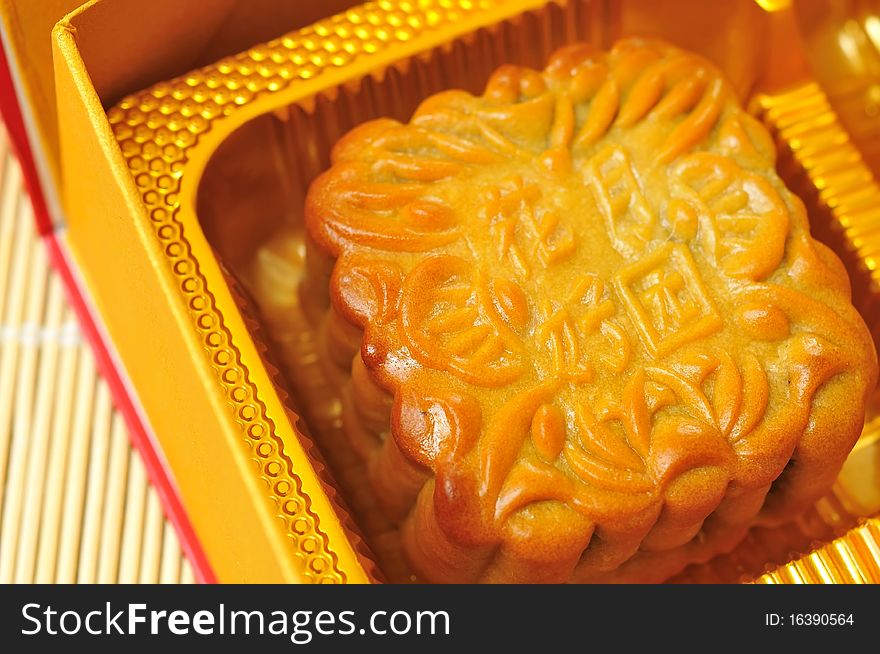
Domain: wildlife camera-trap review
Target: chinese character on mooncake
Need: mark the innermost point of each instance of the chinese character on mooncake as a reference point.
(582, 330)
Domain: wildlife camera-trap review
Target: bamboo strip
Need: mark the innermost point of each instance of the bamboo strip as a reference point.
(130, 554)
(171, 556)
(151, 548)
(64, 451)
(5, 154)
(37, 475)
(77, 463)
(111, 521)
(22, 414)
(11, 198)
(97, 479)
(50, 519)
(186, 572)
(9, 352)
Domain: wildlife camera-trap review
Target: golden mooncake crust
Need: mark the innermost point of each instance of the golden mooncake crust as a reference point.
(607, 340)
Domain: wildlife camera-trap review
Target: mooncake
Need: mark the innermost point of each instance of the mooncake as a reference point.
(579, 325)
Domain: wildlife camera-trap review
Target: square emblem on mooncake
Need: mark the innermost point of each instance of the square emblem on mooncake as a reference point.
(596, 339)
(667, 302)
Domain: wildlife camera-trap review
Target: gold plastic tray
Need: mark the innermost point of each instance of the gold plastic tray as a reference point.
(267, 119)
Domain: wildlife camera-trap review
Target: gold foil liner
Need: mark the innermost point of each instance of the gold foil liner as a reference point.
(267, 118)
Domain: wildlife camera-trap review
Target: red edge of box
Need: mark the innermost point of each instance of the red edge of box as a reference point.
(10, 111)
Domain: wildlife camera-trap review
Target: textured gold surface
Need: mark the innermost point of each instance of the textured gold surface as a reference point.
(158, 130)
(842, 44)
(818, 150)
(94, 518)
(834, 173)
(851, 559)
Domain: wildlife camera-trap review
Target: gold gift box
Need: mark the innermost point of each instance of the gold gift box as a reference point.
(166, 245)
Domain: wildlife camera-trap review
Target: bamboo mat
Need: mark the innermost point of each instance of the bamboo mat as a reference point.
(75, 504)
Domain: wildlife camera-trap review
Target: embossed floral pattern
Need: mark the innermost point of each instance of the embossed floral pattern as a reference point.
(593, 280)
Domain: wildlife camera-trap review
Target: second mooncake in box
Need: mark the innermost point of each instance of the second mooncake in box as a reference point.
(579, 325)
